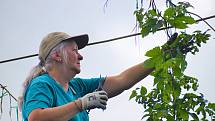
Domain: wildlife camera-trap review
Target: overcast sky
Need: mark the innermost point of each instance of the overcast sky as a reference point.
(23, 23)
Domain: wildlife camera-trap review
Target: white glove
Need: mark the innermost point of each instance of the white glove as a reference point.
(93, 100)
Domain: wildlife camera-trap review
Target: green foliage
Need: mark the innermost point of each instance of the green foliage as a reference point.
(174, 95)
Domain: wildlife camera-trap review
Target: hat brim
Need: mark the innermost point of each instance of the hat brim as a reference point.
(81, 40)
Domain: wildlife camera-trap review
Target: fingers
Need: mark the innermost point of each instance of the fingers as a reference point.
(103, 102)
(102, 106)
(102, 92)
(102, 95)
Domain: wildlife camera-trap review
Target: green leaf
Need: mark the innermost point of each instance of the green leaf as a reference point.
(150, 24)
(156, 80)
(185, 19)
(177, 71)
(157, 106)
(159, 114)
(177, 90)
(154, 52)
(133, 94)
(195, 86)
(199, 109)
(143, 90)
(144, 31)
(189, 19)
(149, 63)
(183, 114)
(190, 95)
(153, 12)
(170, 118)
(177, 23)
(170, 12)
(168, 88)
(160, 85)
(211, 106)
(183, 65)
(166, 98)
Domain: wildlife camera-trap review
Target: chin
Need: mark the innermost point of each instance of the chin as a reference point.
(75, 69)
(78, 71)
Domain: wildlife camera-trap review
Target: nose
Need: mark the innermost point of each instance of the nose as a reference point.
(80, 57)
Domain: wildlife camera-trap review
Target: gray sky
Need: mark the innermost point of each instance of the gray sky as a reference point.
(25, 22)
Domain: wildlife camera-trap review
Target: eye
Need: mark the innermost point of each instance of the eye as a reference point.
(75, 50)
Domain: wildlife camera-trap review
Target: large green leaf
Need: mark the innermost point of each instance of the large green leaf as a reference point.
(189, 20)
(149, 63)
(154, 52)
(185, 19)
(177, 24)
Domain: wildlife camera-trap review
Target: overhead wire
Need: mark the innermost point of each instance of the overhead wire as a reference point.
(104, 41)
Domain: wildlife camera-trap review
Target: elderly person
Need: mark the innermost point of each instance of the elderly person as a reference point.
(51, 93)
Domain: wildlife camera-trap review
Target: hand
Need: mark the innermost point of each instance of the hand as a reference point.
(172, 38)
(93, 100)
(183, 46)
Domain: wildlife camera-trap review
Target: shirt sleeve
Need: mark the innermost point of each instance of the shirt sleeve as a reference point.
(85, 86)
(39, 95)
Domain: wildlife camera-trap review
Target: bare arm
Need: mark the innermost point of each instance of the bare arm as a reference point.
(115, 85)
(61, 113)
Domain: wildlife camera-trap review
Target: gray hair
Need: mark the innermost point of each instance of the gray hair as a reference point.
(41, 68)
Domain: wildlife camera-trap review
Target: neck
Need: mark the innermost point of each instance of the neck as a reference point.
(62, 77)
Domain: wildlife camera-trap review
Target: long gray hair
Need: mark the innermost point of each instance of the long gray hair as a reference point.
(41, 68)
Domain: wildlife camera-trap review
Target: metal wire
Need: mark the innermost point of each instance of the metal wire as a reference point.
(100, 42)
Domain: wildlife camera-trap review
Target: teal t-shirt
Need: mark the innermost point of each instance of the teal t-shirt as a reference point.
(45, 92)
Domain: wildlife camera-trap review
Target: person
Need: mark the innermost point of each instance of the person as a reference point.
(51, 91)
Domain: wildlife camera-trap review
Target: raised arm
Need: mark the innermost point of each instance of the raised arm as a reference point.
(115, 85)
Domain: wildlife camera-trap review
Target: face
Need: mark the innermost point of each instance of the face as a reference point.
(72, 57)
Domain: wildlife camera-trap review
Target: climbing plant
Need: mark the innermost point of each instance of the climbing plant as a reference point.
(174, 94)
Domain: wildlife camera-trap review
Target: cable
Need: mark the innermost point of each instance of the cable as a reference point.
(100, 42)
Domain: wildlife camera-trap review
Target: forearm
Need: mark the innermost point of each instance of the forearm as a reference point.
(133, 75)
(60, 113)
(114, 85)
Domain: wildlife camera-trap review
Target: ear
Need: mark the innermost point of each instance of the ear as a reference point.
(57, 57)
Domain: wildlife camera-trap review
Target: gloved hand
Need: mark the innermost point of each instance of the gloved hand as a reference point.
(93, 100)
(172, 38)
